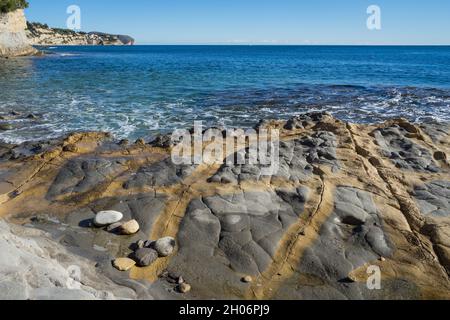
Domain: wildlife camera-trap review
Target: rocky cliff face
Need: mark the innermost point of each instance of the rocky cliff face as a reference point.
(41, 34)
(13, 38)
(347, 198)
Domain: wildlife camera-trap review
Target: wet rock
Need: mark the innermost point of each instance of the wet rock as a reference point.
(130, 227)
(306, 120)
(123, 264)
(140, 142)
(145, 256)
(32, 116)
(162, 141)
(5, 127)
(165, 246)
(105, 218)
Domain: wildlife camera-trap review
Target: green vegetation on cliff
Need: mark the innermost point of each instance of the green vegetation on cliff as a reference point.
(11, 5)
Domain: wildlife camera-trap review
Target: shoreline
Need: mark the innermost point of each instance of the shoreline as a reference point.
(346, 196)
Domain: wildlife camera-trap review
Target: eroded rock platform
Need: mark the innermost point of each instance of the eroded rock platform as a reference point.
(346, 197)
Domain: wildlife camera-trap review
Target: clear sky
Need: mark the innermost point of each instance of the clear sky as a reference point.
(255, 21)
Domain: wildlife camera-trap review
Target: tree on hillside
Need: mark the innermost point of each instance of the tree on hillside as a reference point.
(11, 5)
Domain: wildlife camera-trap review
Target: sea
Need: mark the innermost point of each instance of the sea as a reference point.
(141, 91)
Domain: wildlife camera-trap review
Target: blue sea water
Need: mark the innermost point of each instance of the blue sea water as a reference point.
(143, 90)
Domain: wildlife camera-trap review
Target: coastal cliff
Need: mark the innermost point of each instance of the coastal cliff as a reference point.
(347, 197)
(41, 34)
(13, 38)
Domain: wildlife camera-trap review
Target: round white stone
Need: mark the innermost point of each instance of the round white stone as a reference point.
(105, 218)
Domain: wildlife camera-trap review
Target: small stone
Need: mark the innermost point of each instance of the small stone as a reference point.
(140, 142)
(145, 256)
(123, 264)
(106, 218)
(32, 116)
(149, 244)
(114, 227)
(180, 280)
(184, 288)
(440, 156)
(140, 244)
(382, 259)
(5, 127)
(247, 279)
(165, 246)
(130, 227)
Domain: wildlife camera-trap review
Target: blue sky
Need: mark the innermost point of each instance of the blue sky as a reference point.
(255, 21)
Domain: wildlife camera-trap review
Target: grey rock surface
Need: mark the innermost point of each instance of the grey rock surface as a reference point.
(33, 266)
(433, 198)
(164, 246)
(163, 173)
(296, 160)
(342, 247)
(402, 151)
(82, 175)
(145, 256)
(222, 237)
(105, 218)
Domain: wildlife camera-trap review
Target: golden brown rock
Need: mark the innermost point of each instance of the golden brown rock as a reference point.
(123, 264)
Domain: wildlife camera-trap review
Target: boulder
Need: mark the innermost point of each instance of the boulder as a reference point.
(106, 218)
(145, 256)
(165, 246)
(123, 264)
(129, 228)
(184, 288)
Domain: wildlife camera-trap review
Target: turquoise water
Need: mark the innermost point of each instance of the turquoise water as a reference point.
(142, 90)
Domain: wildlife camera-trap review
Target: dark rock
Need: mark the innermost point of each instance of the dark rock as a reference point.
(82, 175)
(145, 256)
(5, 127)
(402, 151)
(32, 116)
(440, 156)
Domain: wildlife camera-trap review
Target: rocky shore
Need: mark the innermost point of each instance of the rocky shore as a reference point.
(13, 39)
(89, 217)
(42, 34)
